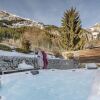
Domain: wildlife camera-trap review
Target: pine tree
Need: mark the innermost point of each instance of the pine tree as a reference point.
(72, 31)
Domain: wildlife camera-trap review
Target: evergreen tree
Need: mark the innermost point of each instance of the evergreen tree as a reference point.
(72, 31)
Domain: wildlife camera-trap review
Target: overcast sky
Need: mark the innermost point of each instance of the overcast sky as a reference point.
(51, 11)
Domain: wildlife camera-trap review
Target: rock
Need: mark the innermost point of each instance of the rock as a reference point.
(34, 72)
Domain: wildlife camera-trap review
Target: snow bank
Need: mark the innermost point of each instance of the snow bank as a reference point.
(14, 53)
(91, 66)
(23, 65)
(7, 53)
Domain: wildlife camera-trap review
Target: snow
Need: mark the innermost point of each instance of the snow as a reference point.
(13, 16)
(7, 53)
(2, 98)
(51, 56)
(17, 54)
(23, 65)
(91, 65)
(48, 85)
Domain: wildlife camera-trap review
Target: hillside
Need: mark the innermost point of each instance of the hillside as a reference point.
(14, 30)
(14, 21)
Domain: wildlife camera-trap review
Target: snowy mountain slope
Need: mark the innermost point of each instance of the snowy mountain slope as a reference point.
(14, 21)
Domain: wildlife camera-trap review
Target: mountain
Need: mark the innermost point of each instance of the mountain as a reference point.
(93, 36)
(96, 27)
(94, 32)
(15, 30)
(13, 21)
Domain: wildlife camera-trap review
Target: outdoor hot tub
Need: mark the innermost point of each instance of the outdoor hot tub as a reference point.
(48, 85)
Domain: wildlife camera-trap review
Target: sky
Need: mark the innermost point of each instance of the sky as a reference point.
(52, 11)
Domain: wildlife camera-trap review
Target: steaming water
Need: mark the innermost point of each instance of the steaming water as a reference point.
(48, 85)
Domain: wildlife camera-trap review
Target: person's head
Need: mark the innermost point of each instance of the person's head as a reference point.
(37, 50)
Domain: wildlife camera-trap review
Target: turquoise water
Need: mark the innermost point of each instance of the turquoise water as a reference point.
(48, 85)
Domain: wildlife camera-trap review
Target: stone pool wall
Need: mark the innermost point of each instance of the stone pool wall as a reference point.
(11, 62)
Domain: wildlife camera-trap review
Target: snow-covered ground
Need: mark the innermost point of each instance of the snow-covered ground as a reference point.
(48, 85)
(23, 65)
(14, 53)
(7, 53)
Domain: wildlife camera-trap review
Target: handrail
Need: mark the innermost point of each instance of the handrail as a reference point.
(15, 71)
